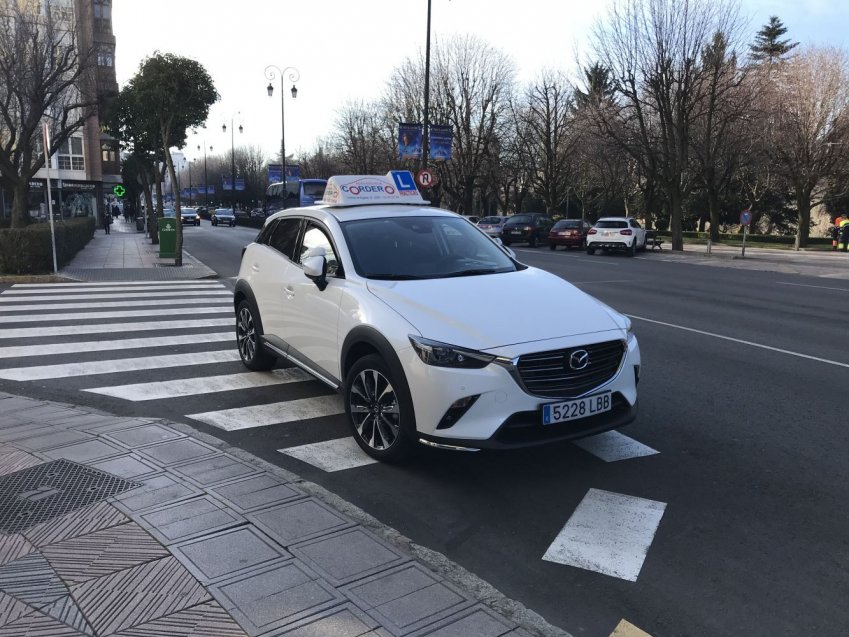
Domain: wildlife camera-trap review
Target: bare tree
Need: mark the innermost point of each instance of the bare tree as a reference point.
(362, 139)
(42, 66)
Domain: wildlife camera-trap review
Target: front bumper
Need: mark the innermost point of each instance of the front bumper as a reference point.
(504, 415)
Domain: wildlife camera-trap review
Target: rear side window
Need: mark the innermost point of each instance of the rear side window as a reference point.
(564, 224)
(517, 219)
(285, 236)
(612, 224)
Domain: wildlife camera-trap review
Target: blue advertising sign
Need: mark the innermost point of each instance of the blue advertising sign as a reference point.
(440, 138)
(293, 172)
(275, 173)
(225, 184)
(409, 141)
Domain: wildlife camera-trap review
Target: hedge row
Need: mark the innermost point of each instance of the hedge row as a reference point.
(751, 238)
(28, 250)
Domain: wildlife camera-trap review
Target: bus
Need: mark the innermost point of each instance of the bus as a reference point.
(294, 193)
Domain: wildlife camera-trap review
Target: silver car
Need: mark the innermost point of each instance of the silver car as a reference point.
(492, 225)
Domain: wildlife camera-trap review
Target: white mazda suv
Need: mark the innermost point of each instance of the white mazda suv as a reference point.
(430, 330)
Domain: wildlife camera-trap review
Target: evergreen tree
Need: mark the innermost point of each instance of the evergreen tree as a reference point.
(768, 46)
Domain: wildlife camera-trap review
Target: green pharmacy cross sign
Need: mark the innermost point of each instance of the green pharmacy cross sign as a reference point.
(119, 190)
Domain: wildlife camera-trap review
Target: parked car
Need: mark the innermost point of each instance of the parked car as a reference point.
(223, 217)
(190, 216)
(169, 213)
(531, 228)
(616, 233)
(571, 233)
(400, 308)
(492, 225)
(257, 213)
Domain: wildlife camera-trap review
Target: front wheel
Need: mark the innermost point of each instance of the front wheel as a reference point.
(590, 250)
(379, 410)
(632, 249)
(532, 242)
(551, 246)
(248, 329)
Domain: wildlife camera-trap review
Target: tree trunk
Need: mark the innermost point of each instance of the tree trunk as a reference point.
(803, 229)
(713, 207)
(157, 175)
(153, 231)
(675, 218)
(178, 250)
(20, 204)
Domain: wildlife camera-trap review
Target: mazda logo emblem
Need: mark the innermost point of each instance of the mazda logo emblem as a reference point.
(579, 359)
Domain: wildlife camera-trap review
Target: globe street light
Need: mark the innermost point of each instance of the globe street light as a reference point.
(271, 72)
(205, 179)
(232, 159)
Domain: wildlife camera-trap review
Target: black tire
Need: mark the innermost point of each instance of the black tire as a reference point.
(532, 242)
(590, 250)
(551, 246)
(248, 329)
(213, 223)
(381, 421)
(632, 250)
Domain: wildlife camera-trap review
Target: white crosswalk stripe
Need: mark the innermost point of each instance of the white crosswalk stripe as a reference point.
(113, 328)
(124, 284)
(331, 455)
(16, 291)
(273, 414)
(612, 446)
(110, 304)
(114, 295)
(223, 308)
(137, 392)
(112, 345)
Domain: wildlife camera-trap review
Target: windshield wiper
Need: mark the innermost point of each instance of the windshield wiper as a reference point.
(473, 272)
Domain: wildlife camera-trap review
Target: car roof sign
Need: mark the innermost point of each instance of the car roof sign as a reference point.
(397, 186)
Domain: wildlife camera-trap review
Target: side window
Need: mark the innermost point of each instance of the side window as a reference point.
(264, 236)
(285, 236)
(315, 237)
(634, 224)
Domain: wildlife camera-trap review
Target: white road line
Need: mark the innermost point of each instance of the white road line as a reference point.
(115, 295)
(114, 345)
(108, 304)
(741, 341)
(612, 446)
(608, 533)
(40, 372)
(819, 287)
(114, 288)
(113, 283)
(331, 455)
(610, 281)
(222, 308)
(272, 414)
(114, 328)
(138, 392)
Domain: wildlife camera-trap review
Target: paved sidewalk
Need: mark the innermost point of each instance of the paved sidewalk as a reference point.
(125, 254)
(143, 528)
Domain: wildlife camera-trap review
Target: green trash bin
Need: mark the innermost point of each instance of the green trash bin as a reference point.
(167, 237)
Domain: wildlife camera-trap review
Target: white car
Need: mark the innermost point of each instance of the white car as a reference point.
(430, 330)
(616, 233)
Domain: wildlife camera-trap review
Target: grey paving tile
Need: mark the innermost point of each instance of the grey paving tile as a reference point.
(32, 580)
(407, 599)
(66, 611)
(189, 519)
(12, 609)
(12, 460)
(54, 439)
(340, 621)
(11, 404)
(91, 518)
(348, 555)
(101, 423)
(142, 436)
(129, 466)
(85, 452)
(178, 451)
(298, 521)
(215, 470)
(204, 620)
(155, 491)
(37, 624)
(227, 553)
(14, 546)
(275, 596)
(15, 432)
(477, 620)
(255, 492)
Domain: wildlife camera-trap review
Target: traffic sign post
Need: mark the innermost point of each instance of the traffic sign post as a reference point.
(426, 178)
(745, 221)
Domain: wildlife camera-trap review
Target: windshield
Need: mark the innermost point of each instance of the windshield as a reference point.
(401, 248)
(490, 220)
(169, 212)
(517, 219)
(567, 223)
(612, 224)
(224, 211)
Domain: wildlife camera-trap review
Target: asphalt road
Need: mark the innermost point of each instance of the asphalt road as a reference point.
(743, 397)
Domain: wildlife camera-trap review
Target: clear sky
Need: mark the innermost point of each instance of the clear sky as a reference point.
(347, 49)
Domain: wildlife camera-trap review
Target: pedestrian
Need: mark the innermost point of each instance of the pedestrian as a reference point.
(107, 221)
(843, 239)
(835, 233)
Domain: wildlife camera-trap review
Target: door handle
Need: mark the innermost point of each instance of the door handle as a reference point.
(255, 267)
(289, 291)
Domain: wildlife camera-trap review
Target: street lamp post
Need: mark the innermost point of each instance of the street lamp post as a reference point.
(425, 131)
(271, 72)
(232, 160)
(190, 181)
(205, 178)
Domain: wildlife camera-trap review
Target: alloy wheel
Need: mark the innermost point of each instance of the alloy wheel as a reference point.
(375, 412)
(246, 335)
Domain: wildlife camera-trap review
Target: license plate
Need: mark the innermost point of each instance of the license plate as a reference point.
(576, 409)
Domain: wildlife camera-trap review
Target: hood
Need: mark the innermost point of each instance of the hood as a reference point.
(497, 310)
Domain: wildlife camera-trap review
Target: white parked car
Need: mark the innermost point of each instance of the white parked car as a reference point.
(430, 330)
(616, 233)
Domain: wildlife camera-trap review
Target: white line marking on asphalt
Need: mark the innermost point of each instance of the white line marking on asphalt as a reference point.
(223, 308)
(110, 304)
(564, 255)
(115, 295)
(608, 533)
(114, 345)
(40, 372)
(331, 455)
(610, 281)
(819, 287)
(114, 328)
(741, 341)
(115, 288)
(272, 414)
(138, 392)
(113, 283)
(612, 446)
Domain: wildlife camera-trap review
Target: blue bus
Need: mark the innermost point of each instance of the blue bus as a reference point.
(294, 193)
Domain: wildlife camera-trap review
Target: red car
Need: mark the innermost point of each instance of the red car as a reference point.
(571, 233)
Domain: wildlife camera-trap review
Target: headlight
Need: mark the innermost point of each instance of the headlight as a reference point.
(444, 355)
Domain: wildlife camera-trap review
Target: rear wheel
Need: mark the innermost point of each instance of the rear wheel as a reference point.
(379, 410)
(632, 249)
(532, 242)
(590, 250)
(248, 330)
(551, 246)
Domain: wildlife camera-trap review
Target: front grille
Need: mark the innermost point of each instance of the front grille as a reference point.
(549, 375)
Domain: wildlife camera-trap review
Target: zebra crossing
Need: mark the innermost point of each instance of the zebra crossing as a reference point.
(174, 343)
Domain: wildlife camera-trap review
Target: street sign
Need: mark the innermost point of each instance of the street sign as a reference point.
(426, 178)
(745, 217)
(119, 190)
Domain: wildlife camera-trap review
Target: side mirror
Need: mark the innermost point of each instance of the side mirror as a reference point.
(315, 267)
